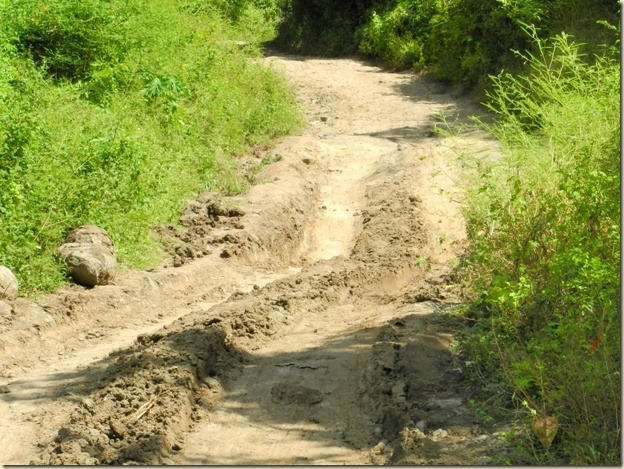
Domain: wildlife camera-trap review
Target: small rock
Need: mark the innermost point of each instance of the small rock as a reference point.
(88, 404)
(118, 429)
(97, 436)
(439, 433)
(445, 403)
(212, 383)
(71, 447)
(5, 309)
(89, 254)
(324, 118)
(8, 284)
(307, 160)
(217, 209)
(421, 425)
(4, 389)
(398, 392)
(379, 453)
(412, 434)
(236, 212)
(49, 320)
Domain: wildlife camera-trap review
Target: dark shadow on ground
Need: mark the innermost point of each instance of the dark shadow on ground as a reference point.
(389, 377)
(305, 390)
(405, 134)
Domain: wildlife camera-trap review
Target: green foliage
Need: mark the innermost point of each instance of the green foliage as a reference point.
(398, 33)
(117, 130)
(252, 19)
(471, 39)
(460, 42)
(325, 27)
(544, 225)
(68, 38)
(235, 10)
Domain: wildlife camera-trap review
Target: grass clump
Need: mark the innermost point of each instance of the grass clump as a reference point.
(67, 38)
(544, 223)
(113, 113)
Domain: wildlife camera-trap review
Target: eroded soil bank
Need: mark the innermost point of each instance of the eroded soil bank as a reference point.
(301, 322)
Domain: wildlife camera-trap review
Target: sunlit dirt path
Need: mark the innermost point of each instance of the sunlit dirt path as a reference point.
(309, 334)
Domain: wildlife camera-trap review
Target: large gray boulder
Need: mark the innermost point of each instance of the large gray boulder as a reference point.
(89, 254)
(8, 284)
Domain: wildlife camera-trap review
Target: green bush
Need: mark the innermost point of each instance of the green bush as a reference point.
(398, 33)
(323, 27)
(460, 42)
(545, 263)
(471, 39)
(68, 38)
(252, 19)
(122, 136)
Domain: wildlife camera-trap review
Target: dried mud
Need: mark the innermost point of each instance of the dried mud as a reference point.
(297, 323)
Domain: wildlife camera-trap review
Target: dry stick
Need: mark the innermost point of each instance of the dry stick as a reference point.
(141, 411)
(311, 367)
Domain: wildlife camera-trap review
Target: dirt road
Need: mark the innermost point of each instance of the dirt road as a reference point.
(303, 323)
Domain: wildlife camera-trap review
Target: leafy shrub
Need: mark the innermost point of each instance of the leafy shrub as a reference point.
(544, 225)
(236, 9)
(67, 38)
(398, 33)
(254, 18)
(123, 138)
(461, 42)
(471, 39)
(324, 27)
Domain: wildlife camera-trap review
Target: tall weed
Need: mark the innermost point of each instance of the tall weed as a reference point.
(545, 263)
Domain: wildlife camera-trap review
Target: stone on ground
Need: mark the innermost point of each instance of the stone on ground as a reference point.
(8, 284)
(89, 254)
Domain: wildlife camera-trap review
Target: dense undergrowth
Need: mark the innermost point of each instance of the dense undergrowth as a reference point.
(544, 265)
(113, 112)
(543, 270)
(459, 42)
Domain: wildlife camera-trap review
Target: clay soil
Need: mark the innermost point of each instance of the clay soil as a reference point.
(303, 322)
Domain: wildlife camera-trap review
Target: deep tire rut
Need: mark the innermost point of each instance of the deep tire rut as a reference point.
(340, 359)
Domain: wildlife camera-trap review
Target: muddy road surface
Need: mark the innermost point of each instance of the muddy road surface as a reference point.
(303, 322)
